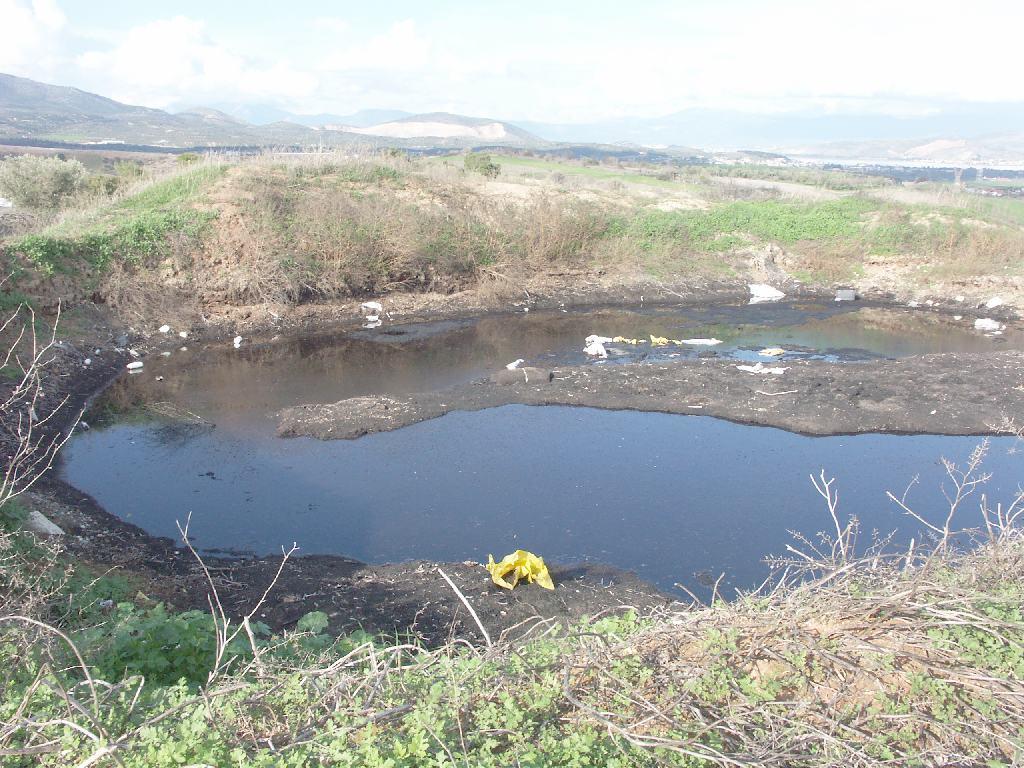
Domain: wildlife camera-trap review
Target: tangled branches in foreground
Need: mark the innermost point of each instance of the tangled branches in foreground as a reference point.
(914, 658)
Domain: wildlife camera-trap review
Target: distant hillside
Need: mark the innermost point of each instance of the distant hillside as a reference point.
(442, 125)
(992, 151)
(33, 110)
(30, 110)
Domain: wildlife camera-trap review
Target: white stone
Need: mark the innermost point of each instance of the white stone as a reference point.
(37, 522)
(994, 302)
(988, 324)
(183, 334)
(760, 292)
(135, 366)
(165, 328)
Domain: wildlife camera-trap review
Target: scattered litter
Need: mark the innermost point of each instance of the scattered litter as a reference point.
(372, 307)
(932, 413)
(237, 342)
(133, 353)
(772, 352)
(87, 361)
(159, 378)
(988, 324)
(514, 364)
(846, 294)
(135, 366)
(958, 317)
(913, 304)
(165, 354)
(624, 340)
(183, 334)
(994, 302)
(760, 292)
(520, 565)
(760, 368)
(165, 328)
(526, 309)
(658, 341)
(776, 394)
(595, 345)
(183, 349)
(702, 342)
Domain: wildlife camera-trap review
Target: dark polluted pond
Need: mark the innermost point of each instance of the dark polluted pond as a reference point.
(678, 499)
(675, 498)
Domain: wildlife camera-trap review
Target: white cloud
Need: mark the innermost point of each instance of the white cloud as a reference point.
(30, 36)
(875, 57)
(174, 61)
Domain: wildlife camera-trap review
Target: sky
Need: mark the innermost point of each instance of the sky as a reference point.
(567, 62)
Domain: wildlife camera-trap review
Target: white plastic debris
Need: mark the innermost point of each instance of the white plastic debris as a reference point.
(702, 342)
(372, 307)
(165, 354)
(760, 368)
(372, 321)
(165, 328)
(599, 339)
(846, 294)
(760, 292)
(958, 317)
(988, 324)
(994, 302)
(237, 342)
(772, 352)
(913, 304)
(183, 334)
(514, 364)
(135, 366)
(595, 348)
(87, 361)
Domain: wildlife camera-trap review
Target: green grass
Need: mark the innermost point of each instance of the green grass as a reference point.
(727, 226)
(589, 171)
(134, 229)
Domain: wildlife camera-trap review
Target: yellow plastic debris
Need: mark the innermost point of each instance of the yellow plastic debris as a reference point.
(624, 340)
(521, 565)
(658, 341)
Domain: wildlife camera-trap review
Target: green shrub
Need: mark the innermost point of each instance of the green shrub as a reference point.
(40, 182)
(482, 164)
(188, 158)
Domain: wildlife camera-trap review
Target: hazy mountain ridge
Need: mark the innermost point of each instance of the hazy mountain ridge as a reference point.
(33, 110)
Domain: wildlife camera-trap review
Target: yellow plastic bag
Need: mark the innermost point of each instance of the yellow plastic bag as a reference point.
(520, 565)
(658, 341)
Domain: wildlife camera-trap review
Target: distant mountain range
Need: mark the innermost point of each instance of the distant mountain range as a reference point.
(955, 134)
(32, 110)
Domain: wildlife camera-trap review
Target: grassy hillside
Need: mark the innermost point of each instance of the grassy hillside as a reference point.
(300, 229)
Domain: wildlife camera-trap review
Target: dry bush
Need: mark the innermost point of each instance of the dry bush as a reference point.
(826, 262)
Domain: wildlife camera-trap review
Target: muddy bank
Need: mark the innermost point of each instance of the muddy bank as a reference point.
(404, 598)
(950, 394)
